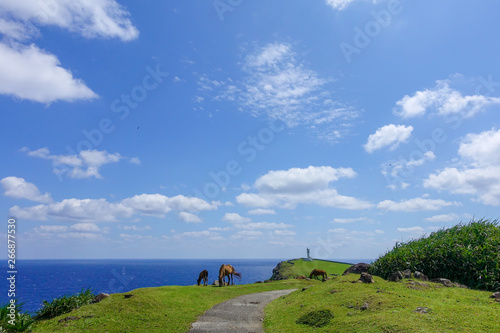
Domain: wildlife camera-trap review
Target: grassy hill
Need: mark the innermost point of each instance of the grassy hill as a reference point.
(297, 267)
(390, 308)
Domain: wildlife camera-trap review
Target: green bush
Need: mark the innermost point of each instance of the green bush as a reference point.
(64, 304)
(466, 253)
(317, 318)
(22, 321)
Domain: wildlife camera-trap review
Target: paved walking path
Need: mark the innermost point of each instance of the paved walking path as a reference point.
(241, 314)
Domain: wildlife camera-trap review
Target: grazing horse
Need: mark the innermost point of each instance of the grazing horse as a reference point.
(318, 272)
(227, 270)
(204, 276)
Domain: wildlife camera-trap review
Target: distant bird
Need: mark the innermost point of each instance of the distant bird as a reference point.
(138, 127)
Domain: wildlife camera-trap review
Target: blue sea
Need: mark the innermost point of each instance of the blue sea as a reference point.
(38, 280)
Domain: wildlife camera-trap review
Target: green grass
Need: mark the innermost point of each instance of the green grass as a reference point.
(298, 267)
(466, 253)
(391, 306)
(161, 309)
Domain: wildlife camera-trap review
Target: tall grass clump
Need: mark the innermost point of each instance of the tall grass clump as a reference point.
(13, 319)
(466, 253)
(64, 304)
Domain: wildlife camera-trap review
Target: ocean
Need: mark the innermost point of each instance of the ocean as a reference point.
(38, 280)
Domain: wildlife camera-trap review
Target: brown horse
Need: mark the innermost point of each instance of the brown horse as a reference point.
(203, 276)
(318, 272)
(227, 270)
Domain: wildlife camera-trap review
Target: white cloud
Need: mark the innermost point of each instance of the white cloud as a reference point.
(349, 220)
(443, 101)
(27, 72)
(415, 205)
(204, 233)
(277, 85)
(261, 211)
(135, 160)
(413, 230)
(21, 189)
(263, 225)
(341, 4)
(84, 165)
(247, 234)
(85, 227)
(442, 218)
(389, 135)
(189, 217)
(235, 218)
(480, 172)
(100, 210)
(397, 170)
(287, 188)
(91, 19)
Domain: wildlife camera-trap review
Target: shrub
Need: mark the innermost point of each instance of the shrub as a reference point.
(22, 321)
(466, 253)
(64, 304)
(317, 318)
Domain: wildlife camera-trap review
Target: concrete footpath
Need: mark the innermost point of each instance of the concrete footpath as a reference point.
(241, 314)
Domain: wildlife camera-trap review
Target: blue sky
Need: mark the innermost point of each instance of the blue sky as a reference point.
(245, 129)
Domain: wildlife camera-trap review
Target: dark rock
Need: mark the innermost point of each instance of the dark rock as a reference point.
(366, 278)
(396, 276)
(496, 296)
(365, 306)
(422, 309)
(279, 272)
(258, 282)
(459, 285)
(421, 276)
(358, 268)
(407, 274)
(128, 295)
(100, 297)
(444, 282)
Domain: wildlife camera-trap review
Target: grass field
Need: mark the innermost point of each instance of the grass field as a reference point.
(390, 306)
(161, 309)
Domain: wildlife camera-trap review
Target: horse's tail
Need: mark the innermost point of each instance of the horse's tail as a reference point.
(237, 274)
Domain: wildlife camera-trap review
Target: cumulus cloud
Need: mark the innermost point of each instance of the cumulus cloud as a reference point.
(287, 188)
(19, 188)
(100, 210)
(235, 218)
(349, 220)
(389, 135)
(189, 217)
(479, 173)
(415, 205)
(444, 101)
(261, 211)
(85, 164)
(442, 218)
(28, 72)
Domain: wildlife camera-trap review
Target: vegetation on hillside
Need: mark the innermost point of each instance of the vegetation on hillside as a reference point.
(467, 253)
(342, 304)
(294, 268)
